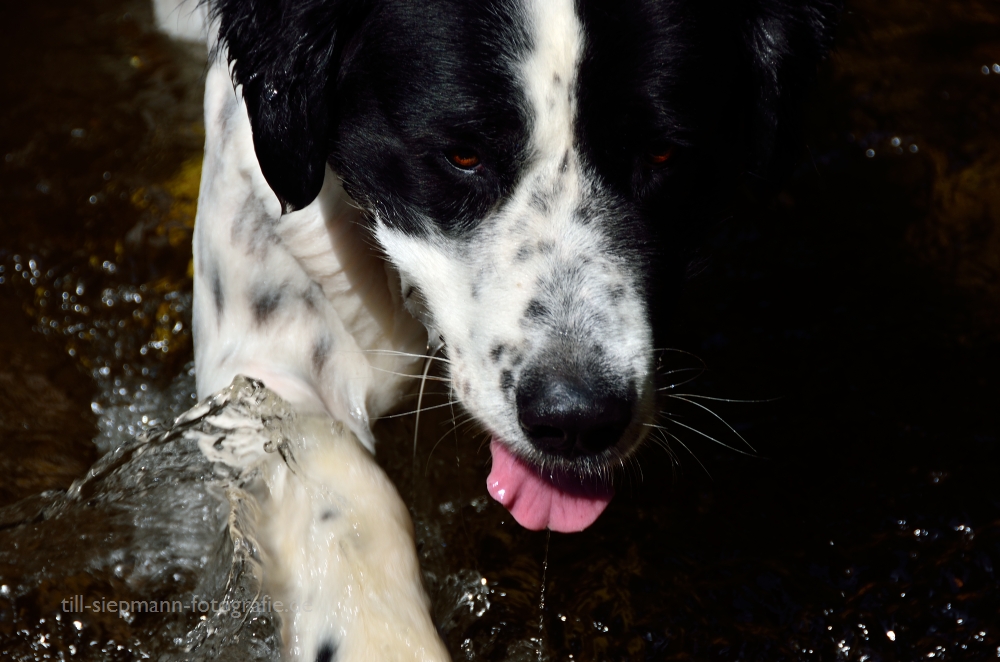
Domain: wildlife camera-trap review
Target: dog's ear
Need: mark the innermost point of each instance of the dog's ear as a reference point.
(283, 53)
(785, 40)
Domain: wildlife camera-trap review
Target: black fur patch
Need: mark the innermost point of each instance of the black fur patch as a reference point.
(218, 296)
(312, 296)
(320, 353)
(253, 227)
(540, 202)
(327, 653)
(384, 91)
(536, 310)
(264, 302)
(497, 352)
(506, 380)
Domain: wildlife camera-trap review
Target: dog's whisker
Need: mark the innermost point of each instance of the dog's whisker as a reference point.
(446, 394)
(665, 350)
(664, 443)
(415, 411)
(432, 378)
(661, 442)
(454, 426)
(684, 382)
(704, 434)
(724, 422)
(690, 452)
(674, 371)
(420, 399)
(707, 397)
(630, 465)
(437, 443)
(392, 352)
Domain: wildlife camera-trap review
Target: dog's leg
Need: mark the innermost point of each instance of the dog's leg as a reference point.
(356, 581)
(338, 549)
(300, 300)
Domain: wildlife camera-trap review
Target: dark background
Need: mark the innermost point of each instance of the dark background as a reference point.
(861, 308)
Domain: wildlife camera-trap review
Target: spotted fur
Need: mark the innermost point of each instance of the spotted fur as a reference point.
(339, 236)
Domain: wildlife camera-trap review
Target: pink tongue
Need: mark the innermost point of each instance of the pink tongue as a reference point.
(537, 502)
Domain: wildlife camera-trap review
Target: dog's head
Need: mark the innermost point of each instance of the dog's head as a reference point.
(537, 170)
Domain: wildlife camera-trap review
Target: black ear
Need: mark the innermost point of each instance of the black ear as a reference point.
(283, 53)
(785, 40)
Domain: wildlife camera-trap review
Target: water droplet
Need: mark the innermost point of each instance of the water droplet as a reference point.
(914, 149)
(271, 93)
(870, 153)
(985, 70)
(895, 142)
(78, 133)
(996, 68)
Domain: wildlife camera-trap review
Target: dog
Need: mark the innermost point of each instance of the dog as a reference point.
(516, 183)
(536, 173)
(316, 523)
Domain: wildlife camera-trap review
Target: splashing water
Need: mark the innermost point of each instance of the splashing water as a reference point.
(149, 555)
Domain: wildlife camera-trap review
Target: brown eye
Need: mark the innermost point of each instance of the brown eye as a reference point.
(658, 158)
(464, 159)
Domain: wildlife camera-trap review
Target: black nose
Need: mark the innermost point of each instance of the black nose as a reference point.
(571, 416)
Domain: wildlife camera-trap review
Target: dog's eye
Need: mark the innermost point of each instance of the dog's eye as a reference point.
(464, 159)
(657, 158)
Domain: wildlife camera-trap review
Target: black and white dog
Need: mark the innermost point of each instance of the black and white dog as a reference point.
(524, 177)
(535, 171)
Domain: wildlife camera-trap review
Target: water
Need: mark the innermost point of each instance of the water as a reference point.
(859, 308)
(119, 566)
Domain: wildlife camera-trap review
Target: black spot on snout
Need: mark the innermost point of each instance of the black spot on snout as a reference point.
(327, 653)
(328, 515)
(497, 352)
(524, 252)
(506, 380)
(536, 310)
(557, 79)
(264, 303)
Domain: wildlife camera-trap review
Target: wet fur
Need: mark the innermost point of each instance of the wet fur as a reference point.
(563, 252)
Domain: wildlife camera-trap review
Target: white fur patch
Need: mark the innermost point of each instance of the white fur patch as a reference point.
(298, 301)
(182, 19)
(335, 538)
(536, 252)
(549, 74)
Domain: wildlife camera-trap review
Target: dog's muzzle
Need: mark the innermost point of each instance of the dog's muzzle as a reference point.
(569, 416)
(572, 417)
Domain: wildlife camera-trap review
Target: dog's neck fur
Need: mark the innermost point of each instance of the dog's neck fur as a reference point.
(278, 296)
